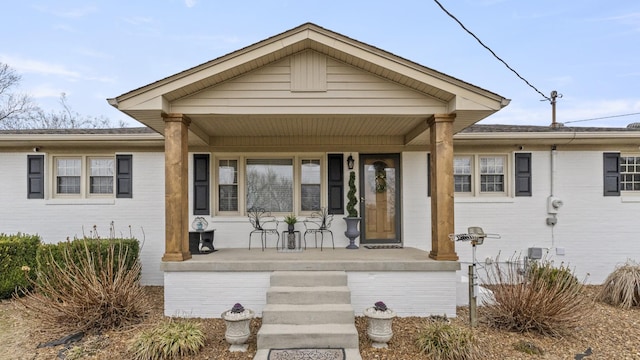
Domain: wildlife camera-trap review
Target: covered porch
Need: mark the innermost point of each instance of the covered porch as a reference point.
(310, 93)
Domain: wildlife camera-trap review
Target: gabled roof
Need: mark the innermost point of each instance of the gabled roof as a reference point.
(470, 103)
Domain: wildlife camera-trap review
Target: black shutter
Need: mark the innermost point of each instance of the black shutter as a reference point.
(35, 176)
(336, 183)
(124, 178)
(611, 162)
(429, 174)
(201, 184)
(523, 174)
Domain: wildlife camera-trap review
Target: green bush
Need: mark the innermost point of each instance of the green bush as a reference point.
(77, 250)
(88, 284)
(550, 276)
(443, 341)
(17, 257)
(622, 286)
(169, 340)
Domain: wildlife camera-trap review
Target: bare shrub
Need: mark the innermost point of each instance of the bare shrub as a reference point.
(547, 300)
(88, 292)
(171, 339)
(443, 341)
(622, 286)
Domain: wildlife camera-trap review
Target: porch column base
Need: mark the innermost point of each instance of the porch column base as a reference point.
(444, 257)
(176, 256)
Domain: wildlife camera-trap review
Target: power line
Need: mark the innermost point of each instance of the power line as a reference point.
(491, 51)
(603, 117)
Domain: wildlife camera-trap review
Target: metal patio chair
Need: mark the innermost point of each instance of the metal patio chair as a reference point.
(318, 223)
(264, 224)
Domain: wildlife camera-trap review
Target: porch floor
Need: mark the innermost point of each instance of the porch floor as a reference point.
(312, 259)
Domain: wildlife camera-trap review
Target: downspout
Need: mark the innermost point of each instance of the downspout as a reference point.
(553, 203)
(553, 170)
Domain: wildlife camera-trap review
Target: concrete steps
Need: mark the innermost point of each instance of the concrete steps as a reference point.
(308, 309)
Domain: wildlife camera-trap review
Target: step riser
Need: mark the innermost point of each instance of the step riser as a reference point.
(308, 278)
(308, 297)
(302, 317)
(274, 341)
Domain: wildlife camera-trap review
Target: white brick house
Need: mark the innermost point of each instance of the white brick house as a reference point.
(298, 105)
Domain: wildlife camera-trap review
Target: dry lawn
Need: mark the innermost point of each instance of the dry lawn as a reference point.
(612, 333)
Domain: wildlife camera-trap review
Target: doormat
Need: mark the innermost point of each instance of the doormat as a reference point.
(306, 354)
(383, 246)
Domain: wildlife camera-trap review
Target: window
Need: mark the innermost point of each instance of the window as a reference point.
(480, 175)
(228, 185)
(84, 176)
(269, 184)
(101, 175)
(282, 185)
(630, 173)
(68, 173)
(492, 174)
(310, 185)
(462, 174)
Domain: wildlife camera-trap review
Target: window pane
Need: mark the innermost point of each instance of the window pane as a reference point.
(310, 200)
(310, 189)
(68, 185)
(491, 183)
(228, 198)
(101, 176)
(68, 176)
(228, 172)
(462, 165)
(68, 167)
(270, 184)
(462, 183)
(101, 185)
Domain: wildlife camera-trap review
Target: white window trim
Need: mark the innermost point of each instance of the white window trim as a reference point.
(475, 176)
(297, 180)
(215, 184)
(629, 193)
(84, 176)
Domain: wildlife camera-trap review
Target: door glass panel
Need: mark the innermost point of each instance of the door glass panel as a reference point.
(380, 199)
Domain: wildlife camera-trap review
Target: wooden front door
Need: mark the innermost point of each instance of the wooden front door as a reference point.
(380, 198)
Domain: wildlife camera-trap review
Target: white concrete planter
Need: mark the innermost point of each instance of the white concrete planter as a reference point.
(238, 326)
(379, 328)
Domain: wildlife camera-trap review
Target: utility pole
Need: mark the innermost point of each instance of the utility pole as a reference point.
(554, 96)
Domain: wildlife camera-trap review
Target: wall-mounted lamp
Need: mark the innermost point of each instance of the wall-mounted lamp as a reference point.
(350, 162)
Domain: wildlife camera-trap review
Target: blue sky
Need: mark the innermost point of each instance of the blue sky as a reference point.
(588, 50)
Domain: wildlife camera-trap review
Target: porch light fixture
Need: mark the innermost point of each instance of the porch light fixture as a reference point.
(350, 162)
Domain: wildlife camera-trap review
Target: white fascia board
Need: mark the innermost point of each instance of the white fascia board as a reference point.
(564, 135)
(158, 103)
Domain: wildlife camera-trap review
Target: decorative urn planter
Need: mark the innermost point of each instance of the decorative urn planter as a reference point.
(379, 321)
(352, 231)
(238, 321)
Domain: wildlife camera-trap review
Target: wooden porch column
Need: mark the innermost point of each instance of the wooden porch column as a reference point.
(442, 212)
(176, 179)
